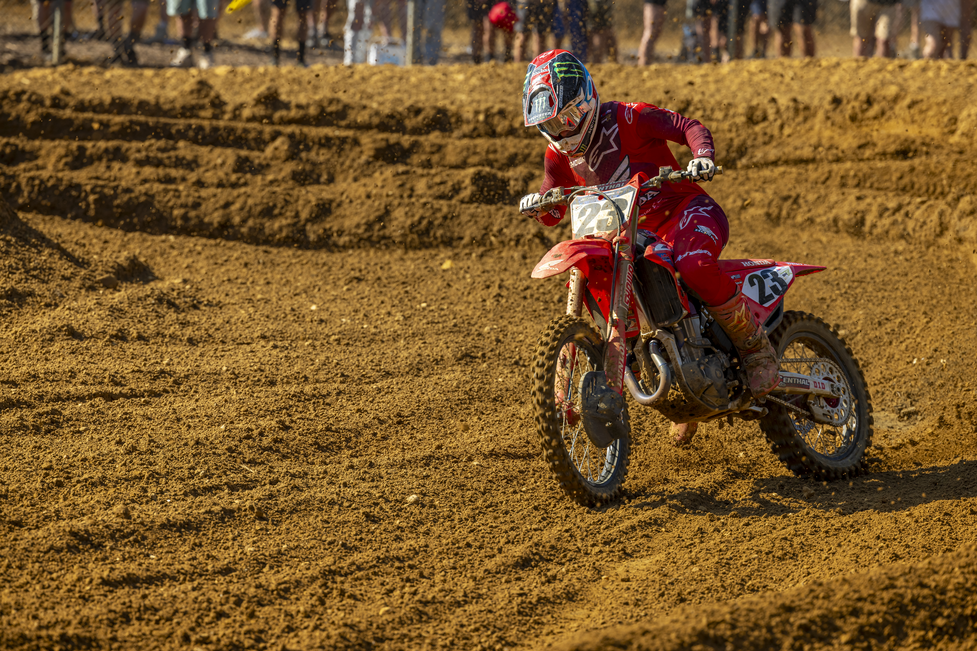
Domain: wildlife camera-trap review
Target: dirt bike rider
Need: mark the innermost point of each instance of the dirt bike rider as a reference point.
(593, 143)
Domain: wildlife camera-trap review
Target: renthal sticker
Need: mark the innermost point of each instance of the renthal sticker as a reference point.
(705, 230)
(767, 285)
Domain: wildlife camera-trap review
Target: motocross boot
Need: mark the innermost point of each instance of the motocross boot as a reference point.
(758, 356)
(682, 433)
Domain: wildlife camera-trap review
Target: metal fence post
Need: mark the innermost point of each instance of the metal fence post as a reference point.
(414, 10)
(57, 26)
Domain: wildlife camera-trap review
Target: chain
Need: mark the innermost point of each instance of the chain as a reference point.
(801, 360)
(800, 411)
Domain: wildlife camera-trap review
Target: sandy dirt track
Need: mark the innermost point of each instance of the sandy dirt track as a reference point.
(265, 341)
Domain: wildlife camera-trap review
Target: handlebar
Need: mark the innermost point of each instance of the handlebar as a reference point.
(562, 196)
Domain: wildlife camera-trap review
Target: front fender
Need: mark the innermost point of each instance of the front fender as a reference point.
(570, 253)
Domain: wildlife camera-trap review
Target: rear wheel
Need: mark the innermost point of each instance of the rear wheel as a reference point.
(567, 349)
(806, 344)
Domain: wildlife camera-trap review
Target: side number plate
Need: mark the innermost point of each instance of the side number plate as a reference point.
(767, 285)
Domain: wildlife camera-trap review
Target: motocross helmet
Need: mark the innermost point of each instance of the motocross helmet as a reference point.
(559, 98)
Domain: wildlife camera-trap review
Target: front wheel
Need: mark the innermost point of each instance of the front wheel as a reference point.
(565, 352)
(806, 344)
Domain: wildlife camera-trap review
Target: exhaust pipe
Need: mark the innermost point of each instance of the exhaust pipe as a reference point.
(664, 379)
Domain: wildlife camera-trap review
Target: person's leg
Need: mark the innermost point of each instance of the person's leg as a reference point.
(654, 21)
(275, 26)
(477, 31)
(697, 236)
(781, 13)
(358, 23)
(966, 26)
(883, 31)
(433, 26)
(809, 11)
(303, 9)
(859, 16)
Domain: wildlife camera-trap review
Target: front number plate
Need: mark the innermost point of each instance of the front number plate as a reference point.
(593, 215)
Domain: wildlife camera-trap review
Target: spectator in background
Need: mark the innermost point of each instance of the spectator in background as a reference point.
(654, 21)
(262, 14)
(388, 13)
(207, 16)
(277, 23)
(502, 18)
(478, 11)
(756, 11)
(576, 22)
(44, 20)
(939, 19)
(123, 47)
(356, 33)
(535, 19)
(603, 42)
(711, 24)
(324, 9)
(966, 23)
(871, 25)
(799, 13)
(910, 8)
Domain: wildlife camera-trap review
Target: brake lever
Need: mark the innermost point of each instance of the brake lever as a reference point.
(552, 198)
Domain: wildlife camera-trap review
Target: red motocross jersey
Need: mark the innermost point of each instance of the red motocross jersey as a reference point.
(631, 138)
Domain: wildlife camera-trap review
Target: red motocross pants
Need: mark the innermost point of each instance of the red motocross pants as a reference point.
(697, 235)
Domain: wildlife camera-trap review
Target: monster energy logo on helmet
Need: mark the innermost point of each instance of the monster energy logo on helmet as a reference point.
(567, 69)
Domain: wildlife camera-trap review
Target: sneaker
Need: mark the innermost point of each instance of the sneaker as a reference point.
(205, 61)
(183, 59)
(160, 35)
(255, 34)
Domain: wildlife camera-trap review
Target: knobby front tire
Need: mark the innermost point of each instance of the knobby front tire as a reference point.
(568, 348)
(807, 448)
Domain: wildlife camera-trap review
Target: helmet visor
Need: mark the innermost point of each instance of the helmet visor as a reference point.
(566, 123)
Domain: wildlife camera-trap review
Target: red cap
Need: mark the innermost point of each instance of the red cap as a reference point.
(503, 16)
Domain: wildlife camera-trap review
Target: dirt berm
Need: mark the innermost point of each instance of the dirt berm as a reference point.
(264, 367)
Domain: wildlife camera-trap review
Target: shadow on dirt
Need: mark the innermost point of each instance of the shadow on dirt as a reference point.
(880, 492)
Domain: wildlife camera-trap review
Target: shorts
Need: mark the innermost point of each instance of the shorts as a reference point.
(535, 15)
(660, 3)
(301, 6)
(784, 12)
(758, 8)
(601, 15)
(206, 9)
(478, 9)
(870, 19)
(944, 12)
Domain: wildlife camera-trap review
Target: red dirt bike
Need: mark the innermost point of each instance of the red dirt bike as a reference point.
(656, 342)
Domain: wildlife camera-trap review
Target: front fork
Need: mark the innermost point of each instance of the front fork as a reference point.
(567, 359)
(616, 352)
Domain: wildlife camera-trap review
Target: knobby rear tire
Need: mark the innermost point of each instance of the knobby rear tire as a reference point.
(790, 437)
(568, 452)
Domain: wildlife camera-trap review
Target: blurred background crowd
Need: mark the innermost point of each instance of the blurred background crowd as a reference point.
(191, 33)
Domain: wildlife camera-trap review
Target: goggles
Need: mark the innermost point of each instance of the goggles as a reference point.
(569, 119)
